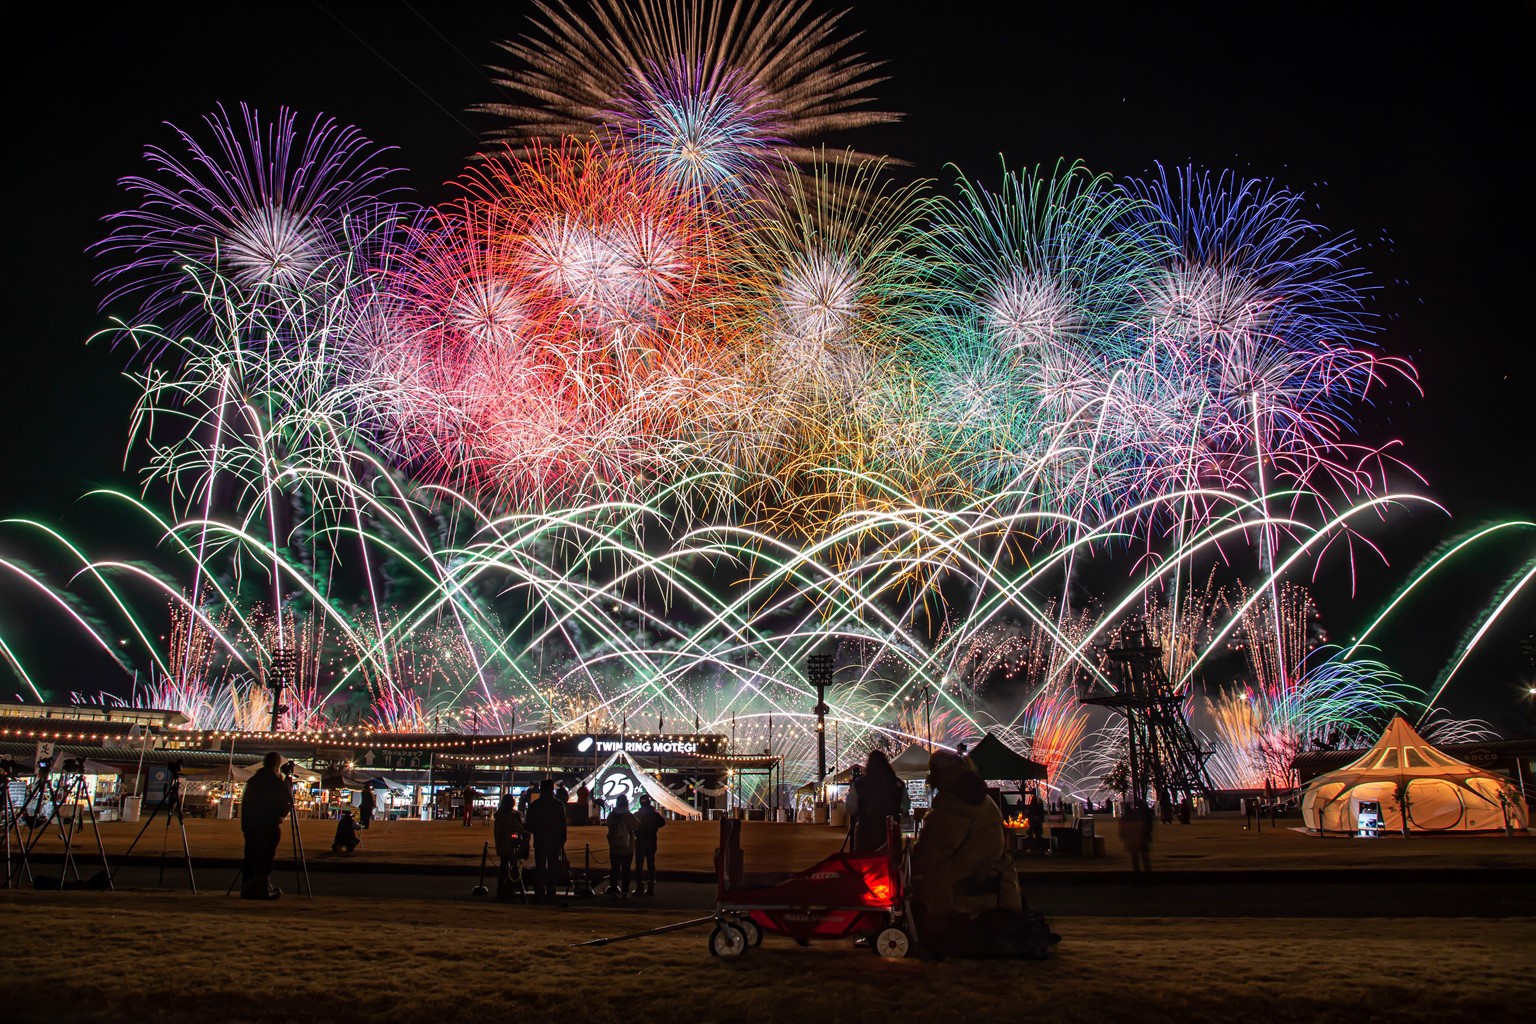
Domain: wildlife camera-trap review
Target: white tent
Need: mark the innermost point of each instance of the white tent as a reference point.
(912, 764)
(243, 773)
(841, 778)
(663, 797)
(1443, 794)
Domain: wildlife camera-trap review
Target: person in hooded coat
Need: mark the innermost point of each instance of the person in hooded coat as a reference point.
(960, 863)
(623, 827)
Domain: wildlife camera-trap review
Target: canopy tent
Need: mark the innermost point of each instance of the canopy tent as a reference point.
(912, 764)
(908, 765)
(620, 774)
(843, 777)
(243, 773)
(352, 779)
(1442, 793)
(993, 759)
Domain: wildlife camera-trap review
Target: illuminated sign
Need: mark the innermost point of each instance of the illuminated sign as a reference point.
(618, 780)
(640, 746)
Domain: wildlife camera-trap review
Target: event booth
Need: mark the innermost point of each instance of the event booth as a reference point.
(1405, 774)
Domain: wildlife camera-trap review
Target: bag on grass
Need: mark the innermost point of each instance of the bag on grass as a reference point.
(1003, 935)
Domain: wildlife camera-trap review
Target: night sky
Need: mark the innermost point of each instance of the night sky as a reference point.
(1409, 128)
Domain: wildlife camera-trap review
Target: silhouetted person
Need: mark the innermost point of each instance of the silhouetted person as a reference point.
(1136, 835)
(651, 822)
(583, 804)
(622, 829)
(546, 820)
(876, 794)
(346, 834)
(365, 809)
(1034, 816)
(1186, 810)
(267, 800)
(511, 844)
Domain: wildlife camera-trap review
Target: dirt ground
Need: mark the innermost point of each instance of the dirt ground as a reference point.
(168, 958)
(1220, 844)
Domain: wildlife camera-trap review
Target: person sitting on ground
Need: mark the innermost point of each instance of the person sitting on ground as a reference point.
(622, 829)
(875, 795)
(546, 820)
(511, 845)
(346, 834)
(651, 822)
(960, 863)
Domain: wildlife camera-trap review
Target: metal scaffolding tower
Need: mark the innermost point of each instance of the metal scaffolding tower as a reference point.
(1163, 753)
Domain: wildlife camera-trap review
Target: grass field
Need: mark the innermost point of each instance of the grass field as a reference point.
(169, 958)
(1206, 844)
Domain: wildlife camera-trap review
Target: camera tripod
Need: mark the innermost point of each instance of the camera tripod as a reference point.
(300, 864)
(170, 803)
(71, 787)
(12, 821)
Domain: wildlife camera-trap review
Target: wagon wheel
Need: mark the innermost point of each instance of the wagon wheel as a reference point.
(753, 932)
(727, 941)
(893, 943)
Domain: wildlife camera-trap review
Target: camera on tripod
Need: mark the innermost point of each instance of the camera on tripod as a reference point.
(9, 768)
(173, 768)
(44, 765)
(288, 767)
(74, 764)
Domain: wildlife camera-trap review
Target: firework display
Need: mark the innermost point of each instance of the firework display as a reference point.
(664, 398)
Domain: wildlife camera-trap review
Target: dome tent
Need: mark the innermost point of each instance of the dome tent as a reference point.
(1443, 794)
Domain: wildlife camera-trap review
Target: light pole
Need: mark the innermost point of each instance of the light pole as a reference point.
(284, 665)
(819, 674)
(928, 716)
(549, 730)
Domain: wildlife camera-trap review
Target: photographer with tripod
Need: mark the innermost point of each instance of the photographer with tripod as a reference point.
(267, 800)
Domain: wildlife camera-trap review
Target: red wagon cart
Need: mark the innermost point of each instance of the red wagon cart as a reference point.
(846, 895)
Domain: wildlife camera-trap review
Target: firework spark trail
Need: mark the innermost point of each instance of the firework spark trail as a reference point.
(1256, 732)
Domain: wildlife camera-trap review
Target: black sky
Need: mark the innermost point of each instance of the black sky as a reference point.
(1409, 125)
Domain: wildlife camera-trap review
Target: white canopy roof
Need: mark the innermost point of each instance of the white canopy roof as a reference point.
(661, 795)
(243, 772)
(912, 763)
(1443, 794)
